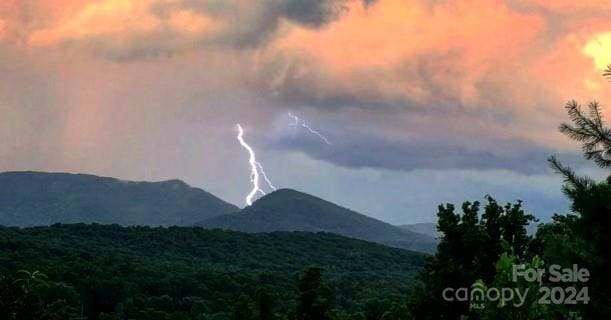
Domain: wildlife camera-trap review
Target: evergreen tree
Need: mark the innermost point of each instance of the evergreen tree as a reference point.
(583, 237)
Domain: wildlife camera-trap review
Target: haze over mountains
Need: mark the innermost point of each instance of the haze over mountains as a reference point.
(36, 198)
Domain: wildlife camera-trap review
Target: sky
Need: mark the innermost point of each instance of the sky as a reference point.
(424, 102)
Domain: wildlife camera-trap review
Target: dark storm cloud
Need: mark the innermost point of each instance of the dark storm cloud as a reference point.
(254, 26)
(312, 12)
(254, 29)
(371, 152)
(470, 134)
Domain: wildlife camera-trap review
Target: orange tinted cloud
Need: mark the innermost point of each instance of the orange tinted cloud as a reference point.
(393, 30)
(109, 17)
(454, 45)
(126, 28)
(390, 49)
(117, 26)
(569, 5)
(513, 64)
(2, 28)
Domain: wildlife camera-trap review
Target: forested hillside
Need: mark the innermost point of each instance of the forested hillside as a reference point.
(193, 273)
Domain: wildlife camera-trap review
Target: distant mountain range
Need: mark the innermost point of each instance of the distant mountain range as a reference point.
(290, 210)
(36, 198)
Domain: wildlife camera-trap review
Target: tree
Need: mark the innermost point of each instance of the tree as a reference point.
(589, 129)
(584, 235)
(315, 298)
(526, 307)
(468, 250)
(31, 281)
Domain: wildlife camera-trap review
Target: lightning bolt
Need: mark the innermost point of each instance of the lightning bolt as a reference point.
(269, 183)
(299, 122)
(255, 168)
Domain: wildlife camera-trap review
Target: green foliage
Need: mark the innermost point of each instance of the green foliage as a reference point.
(30, 281)
(242, 309)
(397, 311)
(531, 309)
(583, 239)
(193, 273)
(266, 300)
(468, 251)
(25, 295)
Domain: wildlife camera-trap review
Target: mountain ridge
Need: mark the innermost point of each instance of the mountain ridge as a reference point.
(31, 198)
(291, 210)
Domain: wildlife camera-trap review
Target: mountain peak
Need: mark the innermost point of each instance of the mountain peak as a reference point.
(283, 195)
(285, 192)
(291, 210)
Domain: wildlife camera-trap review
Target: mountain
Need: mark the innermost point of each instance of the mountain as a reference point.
(109, 268)
(290, 210)
(428, 228)
(37, 198)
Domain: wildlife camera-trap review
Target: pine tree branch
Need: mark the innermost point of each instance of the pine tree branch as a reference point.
(570, 177)
(607, 72)
(590, 130)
